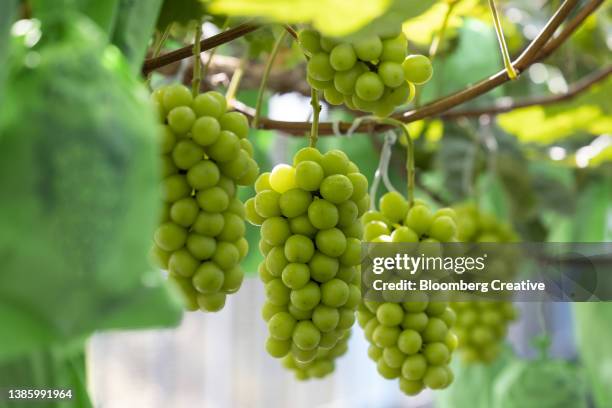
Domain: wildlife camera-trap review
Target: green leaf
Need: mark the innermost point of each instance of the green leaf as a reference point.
(590, 112)
(6, 21)
(50, 368)
(103, 13)
(475, 57)
(553, 187)
(331, 17)
(134, 27)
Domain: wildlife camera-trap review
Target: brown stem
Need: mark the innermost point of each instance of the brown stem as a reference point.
(206, 44)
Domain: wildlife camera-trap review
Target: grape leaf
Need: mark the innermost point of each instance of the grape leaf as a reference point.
(590, 112)
(475, 57)
(6, 20)
(133, 29)
(103, 13)
(331, 17)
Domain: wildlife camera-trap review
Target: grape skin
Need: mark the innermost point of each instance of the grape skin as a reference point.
(201, 238)
(306, 211)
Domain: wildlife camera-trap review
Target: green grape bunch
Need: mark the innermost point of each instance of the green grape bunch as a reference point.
(482, 325)
(412, 340)
(372, 74)
(311, 239)
(205, 155)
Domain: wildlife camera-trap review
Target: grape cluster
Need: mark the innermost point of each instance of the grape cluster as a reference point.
(412, 340)
(311, 240)
(372, 74)
(481, 325)
(205, 155)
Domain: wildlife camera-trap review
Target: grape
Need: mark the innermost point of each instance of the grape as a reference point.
(170, 236)
(209, 224)
(209, 104)
(182, 263)
(203, 175)
(318, 85)
(331, 242)
(319, 67)
(344, 81)
(394, 49)
(295, 275)
(417, 69)
(204, 156)
(309, 40)
(308, 175)
(336, 188)
(368, 49)
(267, 204)
(306, 336)
(213, 200)
(325, 318)
(236, 123)
(225, 148)
(175, 96)
(275, 230)
(200, 246)
(277, 348)
(342, 57)
(323, 267)
(208, 278)
(301, 225)
(184, 211)
(186, 154)
(369, 86)
(419, 219)
(391, 74)
(307, 297)
(282, 178)
(332, 96)
(328, 44)
(294, 202)
(299, 248)
(323, 214)
(281, 326)
(263, 182)
(277, 293)
(334, 293)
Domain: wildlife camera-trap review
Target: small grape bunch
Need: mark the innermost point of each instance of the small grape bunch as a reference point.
(482, 325)
(322, 365)
(413, 340)
(372, 74)
(205, 156)
(311, 239)
(481, 328)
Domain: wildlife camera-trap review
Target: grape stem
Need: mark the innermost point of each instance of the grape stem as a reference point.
(264, 78)
(230, 95)
(435, 44)
(316, 110)
(158, 43)
(512, 74)
(197, 63)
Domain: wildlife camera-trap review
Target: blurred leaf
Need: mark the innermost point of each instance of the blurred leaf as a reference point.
(179, 11)
(475, 57)
(473, 384)
(6, 21)
(552, 185)
(52, 368)
(260, 41)
(398, 12)
(590, 112)
(423, 28)
(133, 29)
(103, 13)
(323, 14)
(593, 219)
(604, 156)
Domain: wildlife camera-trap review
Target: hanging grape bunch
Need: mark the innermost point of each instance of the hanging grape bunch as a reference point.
(482, 325)
(412, 340)
(311, 240)
(205, 155)
(372, 74)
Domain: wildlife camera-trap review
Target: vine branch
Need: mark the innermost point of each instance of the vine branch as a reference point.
(205, 45)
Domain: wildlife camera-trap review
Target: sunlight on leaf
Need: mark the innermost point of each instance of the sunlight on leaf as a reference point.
(332, 17)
